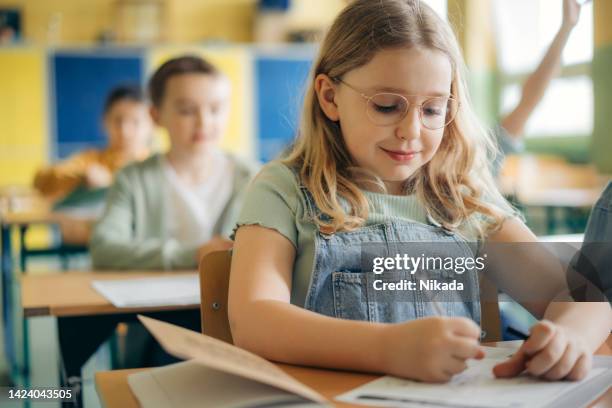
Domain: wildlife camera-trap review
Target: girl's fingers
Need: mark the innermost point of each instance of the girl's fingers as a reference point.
(565, 364)
(547, 357)
(539, 336)
(511, 367)
(581, 368)
(463, 348)
(464, 327)
(455, 366)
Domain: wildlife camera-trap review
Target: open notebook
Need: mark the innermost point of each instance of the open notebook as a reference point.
(476, 387)
(216, 375)
(221, 375)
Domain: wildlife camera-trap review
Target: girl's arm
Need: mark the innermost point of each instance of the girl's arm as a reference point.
(560, 346)
(264, 321)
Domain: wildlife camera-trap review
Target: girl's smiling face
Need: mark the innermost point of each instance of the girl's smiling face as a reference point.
(392, 152)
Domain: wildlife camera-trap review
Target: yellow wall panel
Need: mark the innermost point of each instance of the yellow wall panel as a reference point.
(236, 63)
(602, 13)
(23, 115)
(61, 22)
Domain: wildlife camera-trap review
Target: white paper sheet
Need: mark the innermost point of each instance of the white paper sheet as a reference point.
(218, 355)
(149, 292)
(476, 387)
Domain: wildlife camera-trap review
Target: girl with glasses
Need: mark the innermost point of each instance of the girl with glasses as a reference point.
(388, 152)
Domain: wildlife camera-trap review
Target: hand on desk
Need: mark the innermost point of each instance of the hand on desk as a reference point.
(432, 349)
(550, 352)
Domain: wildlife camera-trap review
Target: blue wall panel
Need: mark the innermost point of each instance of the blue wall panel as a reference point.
(279, 83)
(80, 83)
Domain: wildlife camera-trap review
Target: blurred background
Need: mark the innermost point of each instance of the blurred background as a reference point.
(60, 58)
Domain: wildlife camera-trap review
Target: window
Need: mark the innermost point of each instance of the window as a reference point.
(525, 30)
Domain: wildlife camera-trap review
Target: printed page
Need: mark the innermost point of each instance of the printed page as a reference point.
(476, 387)
(192, 385)
(216, 354)
(149, 292)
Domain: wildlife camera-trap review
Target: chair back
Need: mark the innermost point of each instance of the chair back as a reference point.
(214, 287)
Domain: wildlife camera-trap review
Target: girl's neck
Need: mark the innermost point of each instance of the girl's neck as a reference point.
(395, 187)
(191, 168)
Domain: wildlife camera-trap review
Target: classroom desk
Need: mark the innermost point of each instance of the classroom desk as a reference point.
(18, 220)
(114, 391)
(551, 183)
(71, 299)
(73, 295)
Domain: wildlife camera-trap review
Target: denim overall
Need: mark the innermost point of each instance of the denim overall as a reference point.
(339, 288)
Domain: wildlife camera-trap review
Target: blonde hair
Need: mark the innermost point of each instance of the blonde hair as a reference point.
(453, 184)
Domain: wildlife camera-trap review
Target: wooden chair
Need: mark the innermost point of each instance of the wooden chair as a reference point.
(214, 286)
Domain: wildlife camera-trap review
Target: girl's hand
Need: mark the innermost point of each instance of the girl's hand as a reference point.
(432, 349)
(571, 13)
(98, 176)
(550, 352)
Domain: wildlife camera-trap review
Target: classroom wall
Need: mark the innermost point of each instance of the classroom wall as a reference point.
(70, 22)
(63, 22)
(472, 21)
(23, 115)
(51, 99)
(601, 147)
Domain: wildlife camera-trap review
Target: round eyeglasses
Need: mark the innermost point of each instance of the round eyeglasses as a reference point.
(386, 109)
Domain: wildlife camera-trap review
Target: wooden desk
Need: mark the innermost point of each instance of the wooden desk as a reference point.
(114, 391)
(73, 295)
(552, 183)
(72, 300)
(560, 197)
(19, 220)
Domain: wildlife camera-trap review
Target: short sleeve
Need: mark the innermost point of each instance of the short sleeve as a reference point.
(272, 201)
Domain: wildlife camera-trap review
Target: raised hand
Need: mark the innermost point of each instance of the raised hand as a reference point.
(571, 13)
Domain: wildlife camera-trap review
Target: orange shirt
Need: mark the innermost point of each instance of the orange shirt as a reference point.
(59, 180)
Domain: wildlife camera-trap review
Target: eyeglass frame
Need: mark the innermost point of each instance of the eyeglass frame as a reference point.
(408, 104)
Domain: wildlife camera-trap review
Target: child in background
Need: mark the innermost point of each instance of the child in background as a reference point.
(77, 186)
(509, 132)
(388, 151)
(128, 126)
(171, 209)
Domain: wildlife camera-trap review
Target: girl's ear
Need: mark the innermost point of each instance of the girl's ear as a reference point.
(154, 112)
(326, 94)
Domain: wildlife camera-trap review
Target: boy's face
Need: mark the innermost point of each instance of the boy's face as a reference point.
(393, 152)
(194, 110)
(128, 126)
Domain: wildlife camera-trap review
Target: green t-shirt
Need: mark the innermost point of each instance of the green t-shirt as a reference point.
(274, 201)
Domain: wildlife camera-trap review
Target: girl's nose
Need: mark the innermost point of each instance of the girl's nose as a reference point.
(410, 126)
